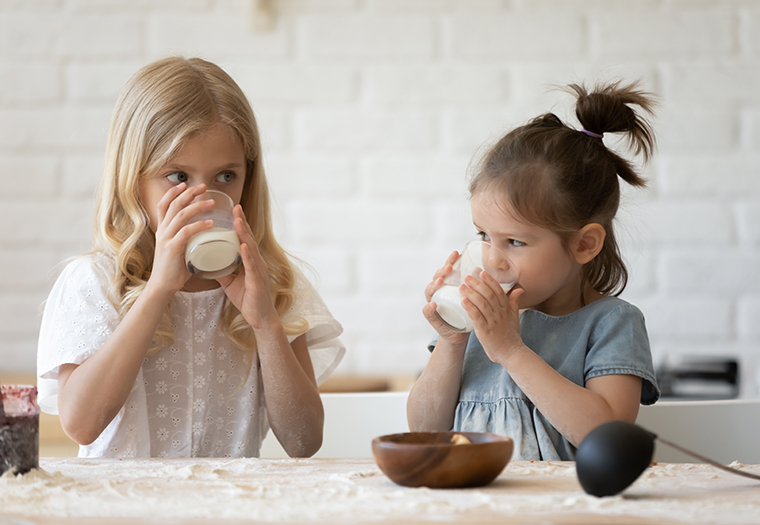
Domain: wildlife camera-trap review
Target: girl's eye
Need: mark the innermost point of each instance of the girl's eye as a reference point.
(484, 237)
(515, 242)
(177, 177)
(227, 176)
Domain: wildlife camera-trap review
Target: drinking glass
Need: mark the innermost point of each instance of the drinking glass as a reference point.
(214, 253)
(476, 257)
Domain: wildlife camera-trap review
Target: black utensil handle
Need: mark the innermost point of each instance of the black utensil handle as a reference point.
(709, 461)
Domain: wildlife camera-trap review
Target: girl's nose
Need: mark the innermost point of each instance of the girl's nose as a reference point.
(498, 260)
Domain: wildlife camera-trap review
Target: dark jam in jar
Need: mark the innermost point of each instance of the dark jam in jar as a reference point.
(19, 429)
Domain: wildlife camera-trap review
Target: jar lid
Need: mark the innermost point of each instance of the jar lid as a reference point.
(19, 400)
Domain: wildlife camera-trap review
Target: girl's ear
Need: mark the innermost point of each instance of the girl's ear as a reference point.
(589, 242)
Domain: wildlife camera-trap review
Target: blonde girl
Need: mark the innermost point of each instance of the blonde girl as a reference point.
(560, 353)
(141, 358)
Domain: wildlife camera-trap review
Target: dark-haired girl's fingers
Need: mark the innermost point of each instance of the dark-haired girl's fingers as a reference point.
(479, 294)
(499, 295)
(513, 298)
(428, 311)
(441, 274)
(448, 266)
(432, 287)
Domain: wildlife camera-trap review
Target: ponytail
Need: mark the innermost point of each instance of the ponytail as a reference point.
(607, 110)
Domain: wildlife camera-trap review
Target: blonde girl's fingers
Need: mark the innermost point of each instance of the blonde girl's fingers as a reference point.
(246, 238)
(245, 256)
(179, 202)
(245, 234)
(242, 228)
(168, 198)
(185, 233)
(254, 273)
(185, 198)
(186, 214)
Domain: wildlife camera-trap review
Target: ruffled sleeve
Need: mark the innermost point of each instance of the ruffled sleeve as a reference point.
(325, 349)
(77, 320)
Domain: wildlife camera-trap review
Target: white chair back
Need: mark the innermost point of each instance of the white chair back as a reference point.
(721, 430)
(352, 421)
(724, 430)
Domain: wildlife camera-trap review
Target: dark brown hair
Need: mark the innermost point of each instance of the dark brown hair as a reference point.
(562, 179)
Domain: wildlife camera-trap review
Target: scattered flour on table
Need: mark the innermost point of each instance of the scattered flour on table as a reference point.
(348, 491)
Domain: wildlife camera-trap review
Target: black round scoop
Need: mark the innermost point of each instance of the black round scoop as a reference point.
(612, 456)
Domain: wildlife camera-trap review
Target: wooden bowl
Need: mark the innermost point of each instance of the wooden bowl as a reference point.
(431, 459)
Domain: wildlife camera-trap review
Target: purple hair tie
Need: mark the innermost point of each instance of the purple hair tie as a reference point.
(592, 134)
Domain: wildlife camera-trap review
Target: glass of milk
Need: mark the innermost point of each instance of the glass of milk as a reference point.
(214, 253)
(476, 257)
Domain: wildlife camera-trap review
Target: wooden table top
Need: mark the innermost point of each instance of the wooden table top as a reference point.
(232, 491)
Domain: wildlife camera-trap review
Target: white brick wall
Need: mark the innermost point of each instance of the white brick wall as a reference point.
(371, 112)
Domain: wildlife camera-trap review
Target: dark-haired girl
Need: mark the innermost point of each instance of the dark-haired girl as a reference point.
(560, 353)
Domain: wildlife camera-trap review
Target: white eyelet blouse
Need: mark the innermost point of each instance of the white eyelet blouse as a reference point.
(199, 397)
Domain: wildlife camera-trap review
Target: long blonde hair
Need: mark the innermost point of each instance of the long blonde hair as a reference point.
(160, 108)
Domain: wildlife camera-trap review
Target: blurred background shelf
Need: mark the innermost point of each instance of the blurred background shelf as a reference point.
(55, 443)
(364, 383)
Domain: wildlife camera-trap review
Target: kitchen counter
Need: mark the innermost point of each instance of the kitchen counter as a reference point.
(232, 491)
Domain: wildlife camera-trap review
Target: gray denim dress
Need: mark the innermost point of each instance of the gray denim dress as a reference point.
(605, 337)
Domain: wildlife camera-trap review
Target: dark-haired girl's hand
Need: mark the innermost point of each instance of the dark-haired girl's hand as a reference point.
(495, 314)
(428, 310)
(249, 290)
(175, 209)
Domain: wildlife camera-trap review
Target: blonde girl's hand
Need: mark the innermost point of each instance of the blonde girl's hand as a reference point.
(495, 315)
(249, 289)
(175, 209)
(428, 310)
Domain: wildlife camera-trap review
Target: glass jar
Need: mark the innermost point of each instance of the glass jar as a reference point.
(19, 428)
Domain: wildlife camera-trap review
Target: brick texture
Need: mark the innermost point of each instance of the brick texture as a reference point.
(371, 114)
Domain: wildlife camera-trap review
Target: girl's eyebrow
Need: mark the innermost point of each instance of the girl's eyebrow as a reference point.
(515, 235)
(178, 166)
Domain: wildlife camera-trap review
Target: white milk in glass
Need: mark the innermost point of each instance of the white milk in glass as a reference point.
(449, 307)
(472, 262)
(214, 253)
